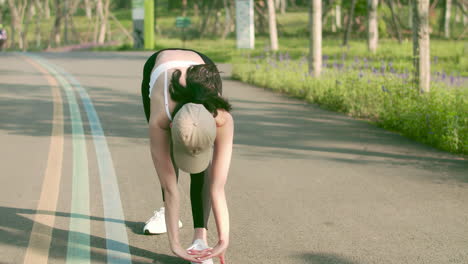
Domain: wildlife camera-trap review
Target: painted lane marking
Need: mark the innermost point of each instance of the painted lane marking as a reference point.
(78, 250)
(116, 234)
(41, 234)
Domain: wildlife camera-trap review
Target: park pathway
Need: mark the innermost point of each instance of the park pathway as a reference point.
(305, 186)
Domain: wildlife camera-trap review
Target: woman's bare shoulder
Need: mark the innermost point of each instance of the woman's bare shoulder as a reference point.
(170, 55)
(223, 118)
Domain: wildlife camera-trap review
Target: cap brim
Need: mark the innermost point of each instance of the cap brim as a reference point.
(190, 163)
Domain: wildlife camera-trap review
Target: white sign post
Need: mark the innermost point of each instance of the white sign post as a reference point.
(138, 16)
(245, 30)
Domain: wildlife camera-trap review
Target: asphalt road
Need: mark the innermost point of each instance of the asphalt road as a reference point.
(305, 185)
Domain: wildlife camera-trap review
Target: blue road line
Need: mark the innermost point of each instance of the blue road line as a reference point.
(78, 249)
(116, 233)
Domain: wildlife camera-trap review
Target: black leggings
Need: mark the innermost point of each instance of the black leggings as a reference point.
(199, 193)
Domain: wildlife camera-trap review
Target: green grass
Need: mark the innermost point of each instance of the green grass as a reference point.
(438, 118)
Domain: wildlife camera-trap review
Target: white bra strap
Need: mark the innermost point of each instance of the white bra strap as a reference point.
(166, 100)
(166, 66)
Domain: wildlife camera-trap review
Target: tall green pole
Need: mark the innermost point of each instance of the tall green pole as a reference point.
(149, 24)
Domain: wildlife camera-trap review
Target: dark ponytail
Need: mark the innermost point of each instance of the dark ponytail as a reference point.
(203, 86)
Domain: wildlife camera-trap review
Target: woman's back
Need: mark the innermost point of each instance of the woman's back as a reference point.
(159, 114)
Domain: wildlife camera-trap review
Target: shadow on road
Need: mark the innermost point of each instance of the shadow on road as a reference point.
(294, 130)
(324, 258)
(16, 228)
(288, 128)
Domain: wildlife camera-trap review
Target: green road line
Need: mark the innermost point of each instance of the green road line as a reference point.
(78, 250)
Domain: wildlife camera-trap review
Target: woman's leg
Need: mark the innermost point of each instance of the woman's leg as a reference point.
(149, 65)
(201, 203)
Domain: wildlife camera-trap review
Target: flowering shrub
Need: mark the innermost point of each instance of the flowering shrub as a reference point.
(383, 95)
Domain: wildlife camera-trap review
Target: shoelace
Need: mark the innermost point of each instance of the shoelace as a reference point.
(156, 216)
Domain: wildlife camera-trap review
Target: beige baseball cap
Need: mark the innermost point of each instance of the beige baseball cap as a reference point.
(193, 134)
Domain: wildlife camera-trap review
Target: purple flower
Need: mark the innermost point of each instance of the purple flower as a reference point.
(383, 67)
(444, 75)
(325, 57)
(361, 74)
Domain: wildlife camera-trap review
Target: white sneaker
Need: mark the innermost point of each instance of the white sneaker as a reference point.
(157, 223)
(199, 244)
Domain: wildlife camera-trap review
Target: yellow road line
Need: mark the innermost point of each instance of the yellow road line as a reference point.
(41, 234)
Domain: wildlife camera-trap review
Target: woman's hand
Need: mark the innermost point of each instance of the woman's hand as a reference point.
(194, 257)
(218, 251)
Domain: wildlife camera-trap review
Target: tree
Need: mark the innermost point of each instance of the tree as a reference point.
(448, 8)
(272, 25)
(338, 14)
(17, 12)
(103, 16)
(395, 21)
(55, 32)
(373, 31)
(315, 46)
(421, 44)
(349, 23)
(228, 24)
(88, 9)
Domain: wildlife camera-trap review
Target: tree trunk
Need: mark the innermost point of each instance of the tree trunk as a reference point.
(333, 17)
(228, 21)
(410, 14)
(206, 8)
(104, 17)
(261, 17)
(448, 8)
(315, 47)
(55, 33)
(349, 23)
(17, 11)
(38, 26)
(272, 25)
(88, 9)
(421, 44)
(29, 15)
(47, 9)
(394, 21)
(284, 4)
(66, 19)
(338, 16)
(38, 6)
(373, 31)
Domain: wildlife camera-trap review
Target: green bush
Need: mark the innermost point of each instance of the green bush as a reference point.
(438, 118)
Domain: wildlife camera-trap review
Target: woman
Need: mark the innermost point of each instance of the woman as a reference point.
(190, 128)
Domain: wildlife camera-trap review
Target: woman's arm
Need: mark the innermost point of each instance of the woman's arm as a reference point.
(160, 152)
(218, 176)
(219, 172)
